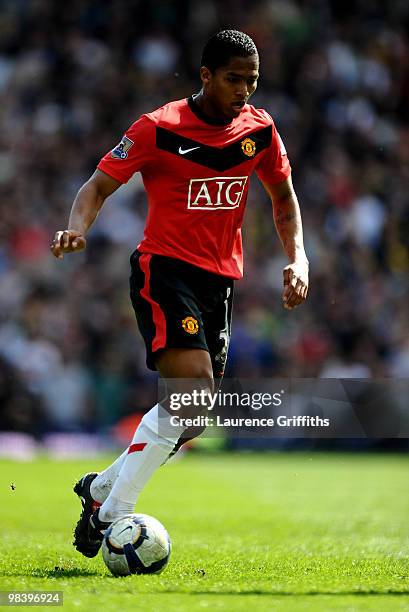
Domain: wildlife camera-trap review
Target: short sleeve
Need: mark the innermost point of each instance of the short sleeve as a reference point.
(274, 166)
(132, 153)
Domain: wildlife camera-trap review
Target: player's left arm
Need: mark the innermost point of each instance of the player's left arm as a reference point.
(287, 219)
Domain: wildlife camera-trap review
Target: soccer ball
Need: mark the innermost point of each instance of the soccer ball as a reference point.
(136, 544)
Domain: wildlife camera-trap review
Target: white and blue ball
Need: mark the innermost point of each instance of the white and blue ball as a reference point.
(136, 544)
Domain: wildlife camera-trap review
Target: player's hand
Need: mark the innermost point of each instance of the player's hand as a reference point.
(295, 284)
(67, 241)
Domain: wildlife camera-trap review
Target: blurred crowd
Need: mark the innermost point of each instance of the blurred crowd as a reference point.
(335, 77)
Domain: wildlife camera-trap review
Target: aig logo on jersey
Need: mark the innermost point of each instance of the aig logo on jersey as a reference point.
(217, 193)
(121, 150)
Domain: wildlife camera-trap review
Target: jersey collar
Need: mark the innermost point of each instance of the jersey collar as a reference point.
(201, 115)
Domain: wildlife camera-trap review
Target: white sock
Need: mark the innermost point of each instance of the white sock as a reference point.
(101, 485)
(151, 445)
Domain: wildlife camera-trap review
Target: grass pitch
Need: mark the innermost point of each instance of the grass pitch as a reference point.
(261, 532)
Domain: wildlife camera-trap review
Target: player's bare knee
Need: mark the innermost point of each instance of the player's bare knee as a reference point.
(195, 402)
(204, 374)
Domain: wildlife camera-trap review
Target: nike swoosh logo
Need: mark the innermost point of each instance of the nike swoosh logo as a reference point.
(184, 151)
(129, 527)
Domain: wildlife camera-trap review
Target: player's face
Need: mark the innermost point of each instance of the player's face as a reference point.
(229, 87)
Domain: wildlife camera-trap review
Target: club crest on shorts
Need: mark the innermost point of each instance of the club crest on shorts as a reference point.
(190, 325)
(121, 150)
(248, 147)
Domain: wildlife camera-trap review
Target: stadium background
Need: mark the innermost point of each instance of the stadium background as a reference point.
(335, 77)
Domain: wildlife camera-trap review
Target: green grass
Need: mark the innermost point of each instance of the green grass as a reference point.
(250, 532)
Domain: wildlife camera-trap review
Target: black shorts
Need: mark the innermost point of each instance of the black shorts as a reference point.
(178, 305)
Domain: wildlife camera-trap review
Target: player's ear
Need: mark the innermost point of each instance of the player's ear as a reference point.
(205, 75)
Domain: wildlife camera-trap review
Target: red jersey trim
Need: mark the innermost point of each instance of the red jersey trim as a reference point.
(159, 320)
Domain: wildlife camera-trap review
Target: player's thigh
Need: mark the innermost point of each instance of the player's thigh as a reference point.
(185, 363)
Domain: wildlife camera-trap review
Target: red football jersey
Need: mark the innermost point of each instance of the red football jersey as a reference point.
(196, 174)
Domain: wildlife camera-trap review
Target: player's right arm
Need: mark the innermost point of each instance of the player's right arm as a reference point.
(86, 206)
(134, 151)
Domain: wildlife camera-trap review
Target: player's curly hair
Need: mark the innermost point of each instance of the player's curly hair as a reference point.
(224, 45)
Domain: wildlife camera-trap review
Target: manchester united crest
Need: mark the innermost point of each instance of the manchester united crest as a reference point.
(190, 325)
(248, 147)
